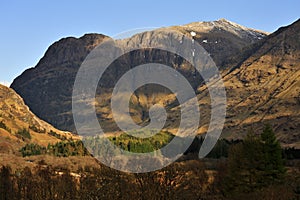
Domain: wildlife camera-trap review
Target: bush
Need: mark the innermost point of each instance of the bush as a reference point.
(24, 134)
(32, 149)
(3, 126)
(36, 129)
(58, 136)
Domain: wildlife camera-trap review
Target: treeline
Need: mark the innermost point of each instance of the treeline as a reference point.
(253, 164)
(142, 145)
(44, 183)
(251, 169)
(99, 145)
(222, 147)
(60, 149)
(25, 132)
(133, 144)
(255, 169)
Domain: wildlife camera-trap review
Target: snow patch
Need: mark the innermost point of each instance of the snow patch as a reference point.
(193, 34)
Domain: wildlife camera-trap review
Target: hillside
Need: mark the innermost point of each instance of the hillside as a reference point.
(16, 116)
(223, 39)
(47, 88)
(261, 75)
(265, 88)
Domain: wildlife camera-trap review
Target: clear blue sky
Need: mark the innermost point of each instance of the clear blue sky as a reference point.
(29, 27)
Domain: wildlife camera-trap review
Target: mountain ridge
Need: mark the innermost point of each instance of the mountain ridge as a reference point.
(226, 48)
(225, 25)
(270, 82)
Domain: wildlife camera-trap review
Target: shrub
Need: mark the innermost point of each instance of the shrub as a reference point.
(24, 134)
(3, 126)
(58, 136)
(32, 149)
(36, 129)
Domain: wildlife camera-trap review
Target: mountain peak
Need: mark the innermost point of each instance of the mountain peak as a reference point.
(92, 36)
(223, 20)
(262, 83)
(222, 25)
(230, 23)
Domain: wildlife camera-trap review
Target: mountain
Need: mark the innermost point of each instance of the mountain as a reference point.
(265, 88)
(20, 127)
(47, 88)
(15, 116)
(260, 72)
(223, 39)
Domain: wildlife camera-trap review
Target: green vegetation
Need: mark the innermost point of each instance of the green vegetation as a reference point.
(58, 136)
(32, 149)
(24, 134)
(253, 164)
(252, 168)
(36, 129)
(220, 150)
(128, 143)
(222, 147)
(142, 145)
(60, 149)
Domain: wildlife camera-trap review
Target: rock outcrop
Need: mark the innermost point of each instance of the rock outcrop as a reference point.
(47, 88)
(260, 72)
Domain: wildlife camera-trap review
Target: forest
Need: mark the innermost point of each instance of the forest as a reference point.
(254, 168)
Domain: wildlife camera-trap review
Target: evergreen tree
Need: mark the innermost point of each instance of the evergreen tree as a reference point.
(255, 163)
(273, 162)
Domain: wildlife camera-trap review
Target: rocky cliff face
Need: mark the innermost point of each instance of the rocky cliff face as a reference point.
(261, 75)
(47, 88)
(223, 39)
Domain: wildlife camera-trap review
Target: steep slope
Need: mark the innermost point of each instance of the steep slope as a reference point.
(271, 77)
(16, 116)
(265, 88)
(47, 88)
(222, 39)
